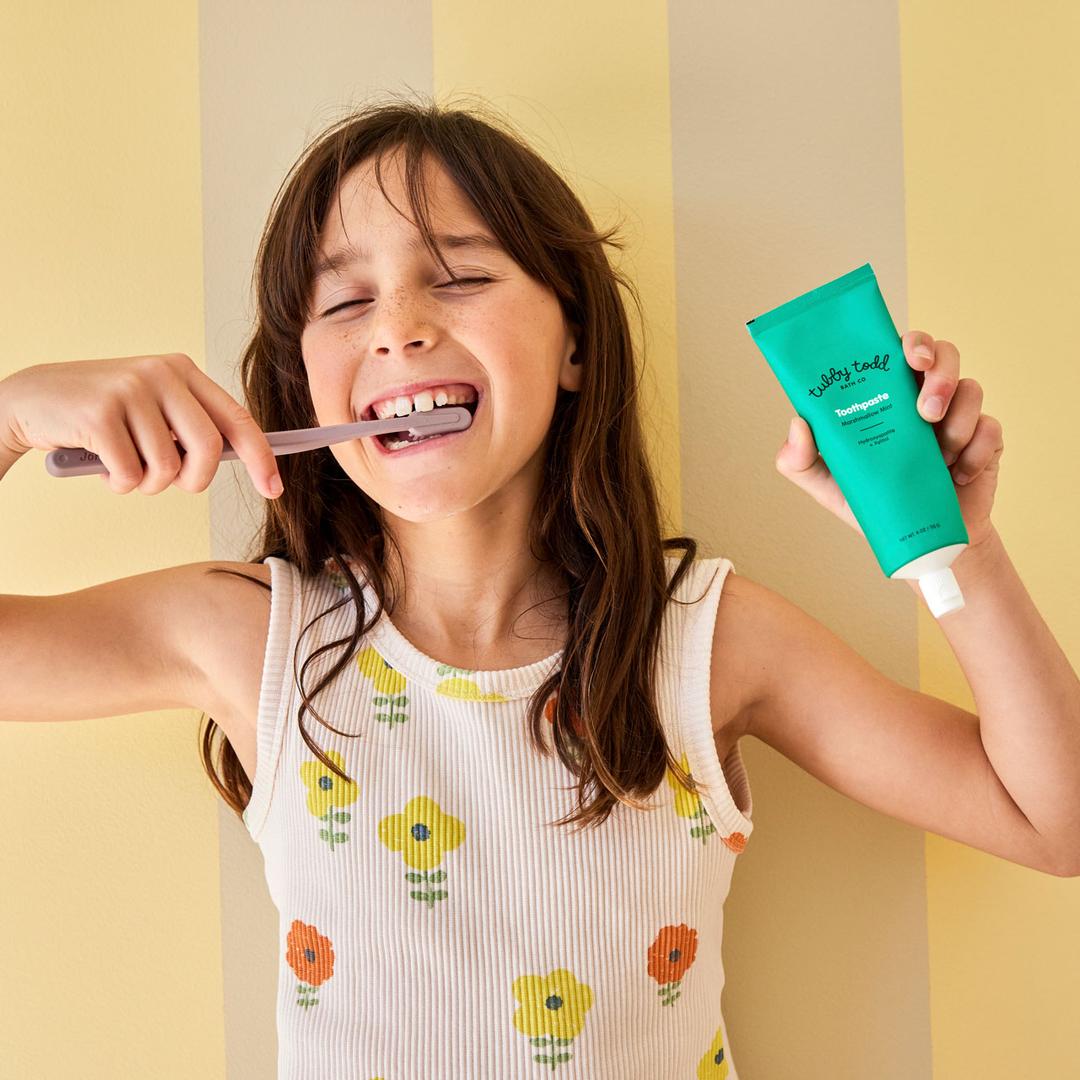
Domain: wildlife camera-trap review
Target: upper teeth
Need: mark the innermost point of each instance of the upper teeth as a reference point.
(422, 401)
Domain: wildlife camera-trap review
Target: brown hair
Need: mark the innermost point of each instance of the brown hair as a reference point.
(597, 517)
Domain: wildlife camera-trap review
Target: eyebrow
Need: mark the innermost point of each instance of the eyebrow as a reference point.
(345, 256)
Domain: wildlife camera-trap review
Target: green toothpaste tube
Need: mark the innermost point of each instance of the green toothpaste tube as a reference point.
(839, 358)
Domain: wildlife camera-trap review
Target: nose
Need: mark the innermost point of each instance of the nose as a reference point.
(396, 324)
(389, 349)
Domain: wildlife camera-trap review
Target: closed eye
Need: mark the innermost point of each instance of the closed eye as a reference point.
(445, 284)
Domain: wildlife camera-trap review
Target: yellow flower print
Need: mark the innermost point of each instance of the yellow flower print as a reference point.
(423, 833)
(467, 689)
(714, 1065)
(389, 682)
(686, 801)
(552, 1012)
(462, 688)
(325, 791)
(689, 805)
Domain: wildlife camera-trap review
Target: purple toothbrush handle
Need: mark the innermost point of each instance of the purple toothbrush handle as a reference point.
(67, 461)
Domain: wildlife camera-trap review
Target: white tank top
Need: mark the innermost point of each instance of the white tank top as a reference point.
(431, 923)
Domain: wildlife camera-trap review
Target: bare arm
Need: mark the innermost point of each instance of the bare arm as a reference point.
(7, 459)
(1026, 691)
(144, 642)
(112, 649)
(903, 753)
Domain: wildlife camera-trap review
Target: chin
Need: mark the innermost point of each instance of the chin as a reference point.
(424, 513)
(422, 503)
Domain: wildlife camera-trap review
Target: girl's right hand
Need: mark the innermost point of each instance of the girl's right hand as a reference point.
(125, 411)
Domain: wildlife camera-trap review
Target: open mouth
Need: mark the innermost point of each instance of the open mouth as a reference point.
(398, 440)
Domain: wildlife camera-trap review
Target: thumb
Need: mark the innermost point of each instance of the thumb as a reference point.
(798, 460)
(800, 450)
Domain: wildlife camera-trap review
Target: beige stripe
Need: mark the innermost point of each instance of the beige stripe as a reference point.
(786, 157)
(271, 80)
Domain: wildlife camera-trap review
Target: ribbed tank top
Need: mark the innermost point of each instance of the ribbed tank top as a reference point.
(431, 923)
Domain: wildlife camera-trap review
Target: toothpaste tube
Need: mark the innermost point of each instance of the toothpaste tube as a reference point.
(839, 358)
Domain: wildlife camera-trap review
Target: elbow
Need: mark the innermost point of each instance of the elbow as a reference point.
(1068, 866)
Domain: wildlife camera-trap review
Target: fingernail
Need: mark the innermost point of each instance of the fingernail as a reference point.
(950, 457)
(923, 352)
(933, 407)
(961, 478)
(274, 484)
(791, 430)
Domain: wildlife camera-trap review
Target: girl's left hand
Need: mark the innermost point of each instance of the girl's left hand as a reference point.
(970, 440)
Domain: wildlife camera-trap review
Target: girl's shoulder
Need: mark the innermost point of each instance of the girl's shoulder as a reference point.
(227, 646)
(735, 681)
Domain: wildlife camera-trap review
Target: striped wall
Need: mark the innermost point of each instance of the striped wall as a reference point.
(753, 154)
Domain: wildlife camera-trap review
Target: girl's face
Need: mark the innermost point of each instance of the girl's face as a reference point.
(387, 318)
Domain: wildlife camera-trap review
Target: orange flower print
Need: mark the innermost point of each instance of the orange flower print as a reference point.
(423, 832)
(670, 956)
(552, 1012)
(714, 1065)
(311, 957)
(549, 713)
(736, 841)
(327, 790)
(390, 684)
(689, 805)
(337, 578)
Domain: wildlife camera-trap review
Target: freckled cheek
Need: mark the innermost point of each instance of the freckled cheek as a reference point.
(331, 376)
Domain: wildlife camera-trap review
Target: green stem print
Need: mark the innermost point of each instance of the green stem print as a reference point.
(703, 831)
(331, 837)
(307, 995)
(429, 898)
(392, 702)
(669, 992)
(554, 1059)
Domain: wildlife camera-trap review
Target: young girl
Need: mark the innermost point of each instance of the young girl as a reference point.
(506, 851)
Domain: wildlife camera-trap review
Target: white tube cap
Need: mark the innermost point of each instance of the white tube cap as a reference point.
(941, 592)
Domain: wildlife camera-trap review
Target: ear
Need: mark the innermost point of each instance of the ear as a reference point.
(570, 368)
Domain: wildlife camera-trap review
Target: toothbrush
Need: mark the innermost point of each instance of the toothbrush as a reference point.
(67, 461)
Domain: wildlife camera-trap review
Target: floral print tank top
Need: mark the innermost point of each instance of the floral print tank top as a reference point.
(432, 922)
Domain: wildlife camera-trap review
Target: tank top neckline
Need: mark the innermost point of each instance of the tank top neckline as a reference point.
(481, 685)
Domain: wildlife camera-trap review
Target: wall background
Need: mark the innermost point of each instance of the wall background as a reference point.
(753, 157)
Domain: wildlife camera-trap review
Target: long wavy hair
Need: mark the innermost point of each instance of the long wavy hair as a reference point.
(597, 518)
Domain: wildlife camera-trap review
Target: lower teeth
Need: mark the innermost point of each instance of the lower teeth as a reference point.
(396, 444)
(392, 442)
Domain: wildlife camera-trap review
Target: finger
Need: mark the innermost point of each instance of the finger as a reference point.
(158, 450)
(200, 439)
(799, 453)
(239, 427)
(114, 445)
(918, 349)
(800, 462)
(940, 374)
(956, 430)
(985, 446)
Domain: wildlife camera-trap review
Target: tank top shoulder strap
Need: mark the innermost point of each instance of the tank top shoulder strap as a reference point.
(275, 693)
(684, 680)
